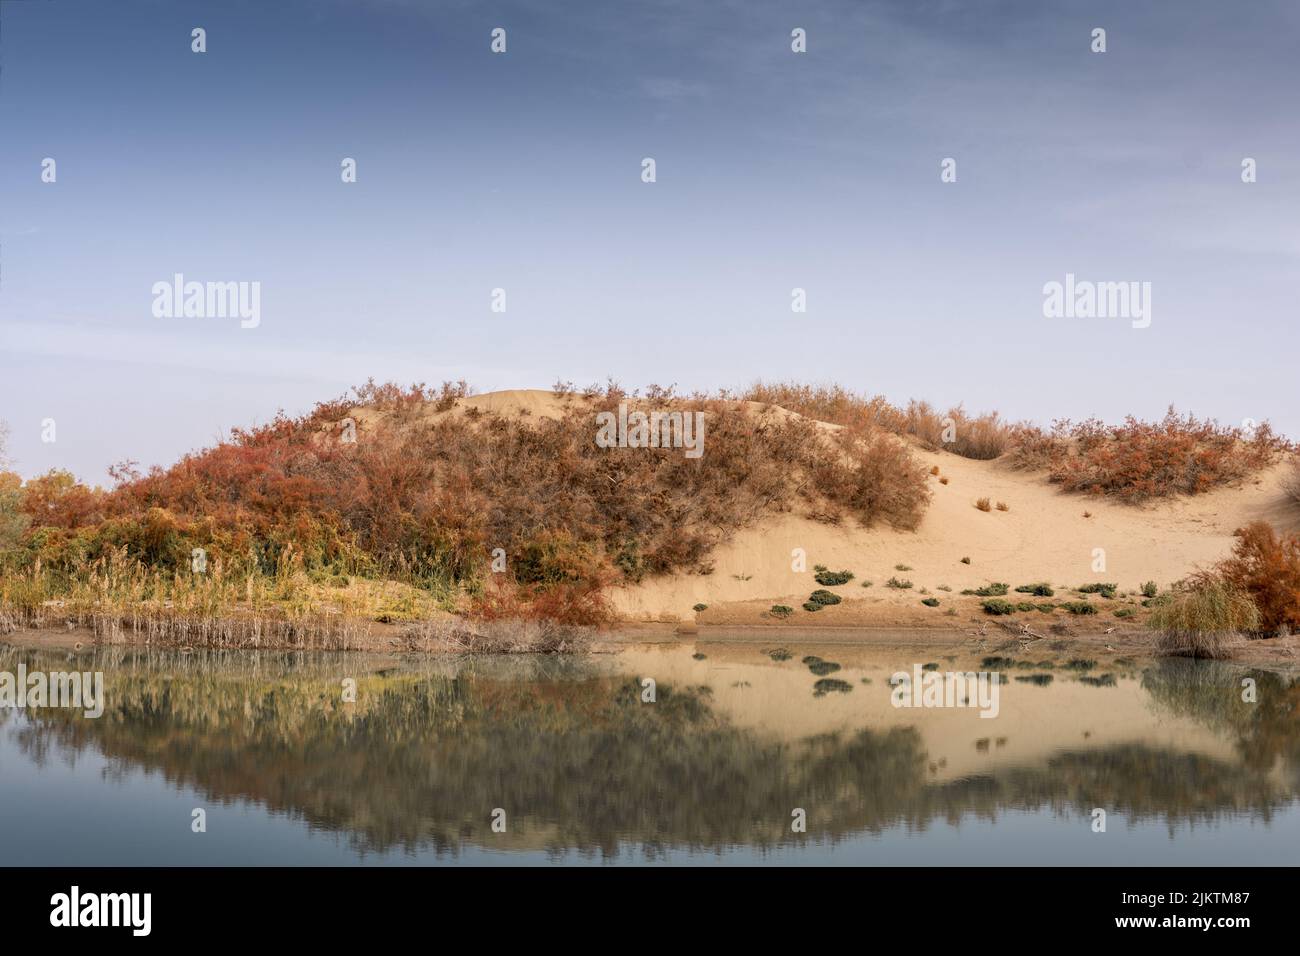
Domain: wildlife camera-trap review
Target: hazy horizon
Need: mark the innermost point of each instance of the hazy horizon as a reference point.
(522, 171)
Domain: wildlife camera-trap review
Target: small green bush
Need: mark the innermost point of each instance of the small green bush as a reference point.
(1042, 589)
(781, 610)
(1105, 590)
(822, 596)
(833, 578)
(1079, 607)
(896, 583)
(989, 590)
(998, 606)
(931, 602)
(1150, 589)
(701, 607)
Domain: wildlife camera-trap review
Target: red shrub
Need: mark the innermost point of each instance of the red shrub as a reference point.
(1266, 566)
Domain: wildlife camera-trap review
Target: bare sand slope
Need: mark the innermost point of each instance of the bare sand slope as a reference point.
(1043, 537)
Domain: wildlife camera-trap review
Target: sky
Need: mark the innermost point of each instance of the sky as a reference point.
(523, 171)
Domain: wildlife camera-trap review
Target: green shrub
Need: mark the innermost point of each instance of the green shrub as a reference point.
(1042, 589)
(811, 606)
(1150, 589)
(781, 610)
(931, 602)
(997, 606)
(1079, 607)
(902, 567)
(989, 590)
(1026, 606)
(833, 578)
(1105, 590)
(896, 583)
(822, 596)
(701, 607)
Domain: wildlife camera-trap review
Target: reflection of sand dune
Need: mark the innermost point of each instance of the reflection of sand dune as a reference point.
(579, 761)
(776, 699)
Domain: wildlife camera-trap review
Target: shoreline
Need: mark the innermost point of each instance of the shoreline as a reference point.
(975, 638)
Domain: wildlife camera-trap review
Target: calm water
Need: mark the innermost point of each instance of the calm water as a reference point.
(411, 772)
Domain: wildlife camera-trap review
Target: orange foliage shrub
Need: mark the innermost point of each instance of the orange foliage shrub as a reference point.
(1139, 460)
(427, 492)
(1266, 566)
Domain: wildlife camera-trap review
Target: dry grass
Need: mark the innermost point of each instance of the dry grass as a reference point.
(983, 437)
(983, 504)
(1202, 617)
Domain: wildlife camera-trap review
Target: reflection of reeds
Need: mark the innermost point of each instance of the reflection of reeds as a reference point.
(502, 636)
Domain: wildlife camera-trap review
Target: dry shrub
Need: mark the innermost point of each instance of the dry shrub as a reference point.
(983, 505)
(1139, 460)
(980, 436)
(1266, 566)
(1292, 482)
(426, 499)
(1202, 617)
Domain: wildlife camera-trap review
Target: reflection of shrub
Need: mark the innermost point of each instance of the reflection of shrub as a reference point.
(829, 685)
(822, 668)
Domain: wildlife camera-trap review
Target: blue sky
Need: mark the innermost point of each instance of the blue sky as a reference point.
(522, 170)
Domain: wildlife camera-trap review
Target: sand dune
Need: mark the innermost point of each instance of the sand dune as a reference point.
(1045, 536)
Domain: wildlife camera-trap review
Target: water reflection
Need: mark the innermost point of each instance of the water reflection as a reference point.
(580, 762)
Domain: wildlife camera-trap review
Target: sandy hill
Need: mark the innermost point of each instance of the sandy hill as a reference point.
(1046, 535)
